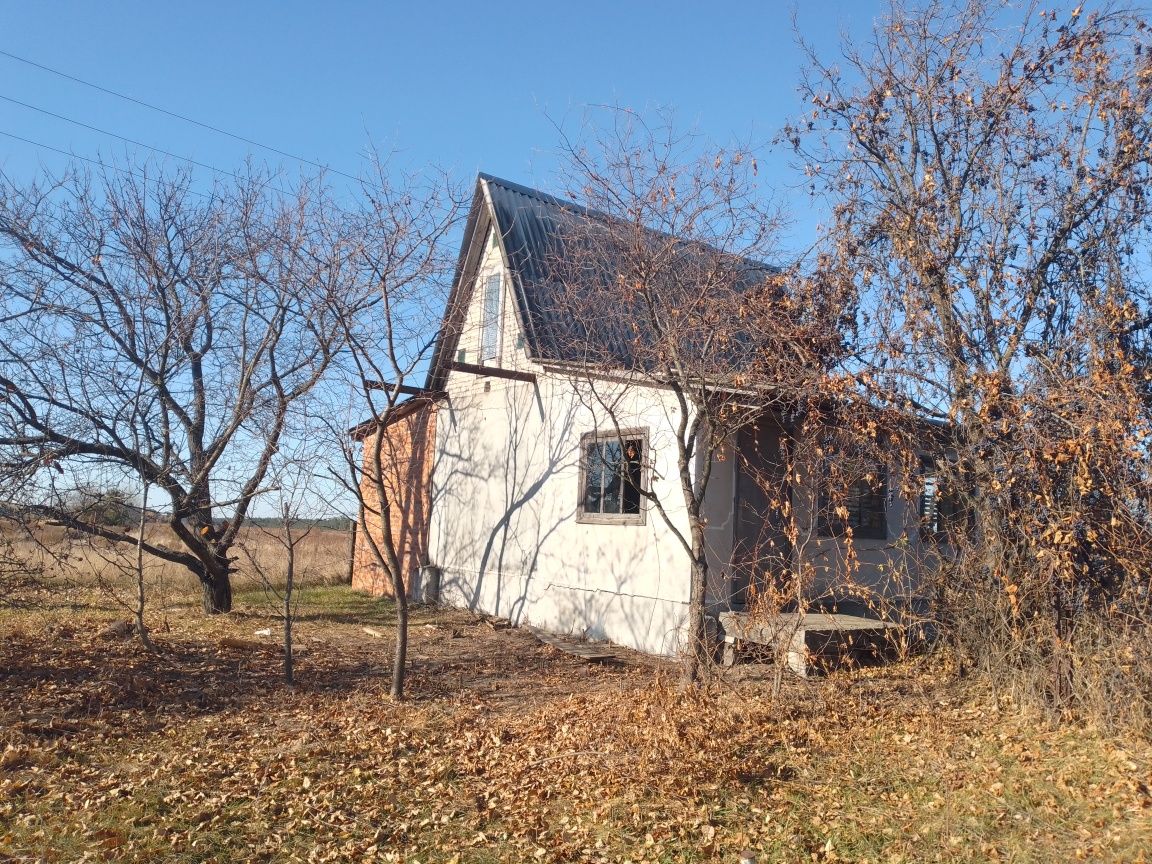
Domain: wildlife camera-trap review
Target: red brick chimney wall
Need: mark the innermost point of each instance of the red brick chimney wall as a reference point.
(406, 455)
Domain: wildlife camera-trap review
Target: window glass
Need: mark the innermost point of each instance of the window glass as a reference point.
(929, 497)
(631, 492)
(490, 332)
(594, 479)
(863, 508)
(610, 503)
(613, 474)
(940, 513)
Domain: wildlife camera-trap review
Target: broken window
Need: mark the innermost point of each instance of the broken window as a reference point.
(612, 476)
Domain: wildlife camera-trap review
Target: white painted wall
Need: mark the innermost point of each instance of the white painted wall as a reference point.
(505, 489)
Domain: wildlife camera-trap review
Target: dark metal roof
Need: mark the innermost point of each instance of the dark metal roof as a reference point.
(534, 229)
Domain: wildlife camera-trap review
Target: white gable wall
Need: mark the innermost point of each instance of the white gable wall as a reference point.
(505, 490)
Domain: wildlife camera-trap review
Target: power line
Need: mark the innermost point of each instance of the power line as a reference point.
(131, 141)
(186, 119)
(127, 171)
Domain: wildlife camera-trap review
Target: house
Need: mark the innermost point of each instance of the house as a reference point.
(529, 510)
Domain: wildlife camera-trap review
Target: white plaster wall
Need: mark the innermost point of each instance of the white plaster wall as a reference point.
(512, 353)
(505, 489)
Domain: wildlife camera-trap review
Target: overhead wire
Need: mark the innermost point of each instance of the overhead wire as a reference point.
(177, 115)
(70, 155)
(131, 141)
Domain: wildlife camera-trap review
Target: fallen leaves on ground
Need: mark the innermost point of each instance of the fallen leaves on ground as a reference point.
(512, 751)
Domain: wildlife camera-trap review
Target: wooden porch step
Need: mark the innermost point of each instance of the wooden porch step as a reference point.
(583, 650)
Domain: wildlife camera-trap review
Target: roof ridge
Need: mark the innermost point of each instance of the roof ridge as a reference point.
(539, 195)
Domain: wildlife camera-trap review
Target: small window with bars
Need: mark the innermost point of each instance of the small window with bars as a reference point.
(861, 508)
(939, 514)
(490, 325)
(612, 477)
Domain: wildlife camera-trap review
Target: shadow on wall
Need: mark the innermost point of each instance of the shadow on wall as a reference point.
(497, 452)
(505, 494)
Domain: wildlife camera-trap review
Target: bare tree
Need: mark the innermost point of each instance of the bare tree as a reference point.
(279, 576)
(666, 282)
(227, 304)
(405, 263)
(989, 169)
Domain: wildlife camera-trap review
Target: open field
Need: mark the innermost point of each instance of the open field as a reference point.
(72, 560)
(512, 751)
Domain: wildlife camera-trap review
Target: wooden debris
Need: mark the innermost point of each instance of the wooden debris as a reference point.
(585, 651)
(372, 631)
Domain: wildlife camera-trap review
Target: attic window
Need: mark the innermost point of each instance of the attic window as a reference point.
(611, 477)
(490, 328)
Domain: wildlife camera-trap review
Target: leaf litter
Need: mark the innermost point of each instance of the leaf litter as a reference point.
(510, 750)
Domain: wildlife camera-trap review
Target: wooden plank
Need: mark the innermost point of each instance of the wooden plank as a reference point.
(491, 371)
(795, 636)
(589, 653)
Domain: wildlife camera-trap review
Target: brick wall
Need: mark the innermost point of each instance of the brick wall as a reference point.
(406, 455)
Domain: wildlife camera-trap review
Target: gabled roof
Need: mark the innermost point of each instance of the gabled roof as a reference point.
(533, 228)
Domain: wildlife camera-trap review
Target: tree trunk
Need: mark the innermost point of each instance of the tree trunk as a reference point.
(348, 577)
(699, 655)
(400, 658)
(141, 525)
(217, 592)
(289, 585)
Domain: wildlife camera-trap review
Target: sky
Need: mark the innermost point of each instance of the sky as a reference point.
(465, 86)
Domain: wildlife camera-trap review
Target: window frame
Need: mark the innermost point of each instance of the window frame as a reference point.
(622, 436)
(491, 326)
(829, 525)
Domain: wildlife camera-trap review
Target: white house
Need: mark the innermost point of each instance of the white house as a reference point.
(533, 509)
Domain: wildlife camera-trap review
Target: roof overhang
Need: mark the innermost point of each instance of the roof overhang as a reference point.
(426, 399)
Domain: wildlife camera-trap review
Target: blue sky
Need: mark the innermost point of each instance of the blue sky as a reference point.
(465, 86)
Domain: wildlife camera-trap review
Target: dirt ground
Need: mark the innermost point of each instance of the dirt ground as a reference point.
(454, 656)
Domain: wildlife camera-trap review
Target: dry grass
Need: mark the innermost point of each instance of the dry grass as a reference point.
(511, 751)
(78, 566)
